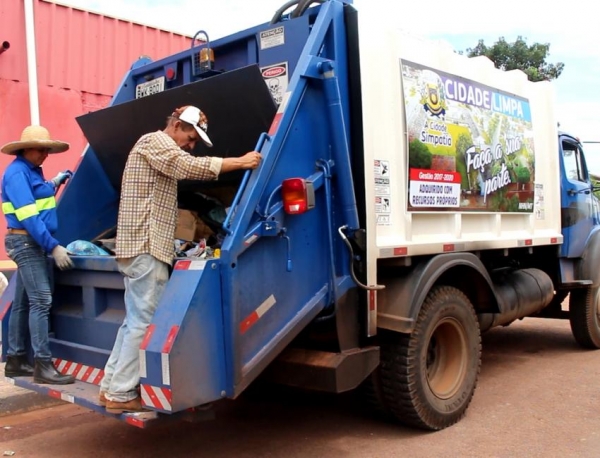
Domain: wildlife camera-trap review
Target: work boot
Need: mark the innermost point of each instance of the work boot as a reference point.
(102, 399)
(45, 372)
(135, 405)
(17, 366)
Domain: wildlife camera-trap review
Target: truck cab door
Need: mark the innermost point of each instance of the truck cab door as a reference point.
(577, 200)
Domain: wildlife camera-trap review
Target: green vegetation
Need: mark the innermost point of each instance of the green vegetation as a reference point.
(518, 55)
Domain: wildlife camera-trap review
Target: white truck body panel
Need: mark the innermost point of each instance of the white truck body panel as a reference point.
(395, 228)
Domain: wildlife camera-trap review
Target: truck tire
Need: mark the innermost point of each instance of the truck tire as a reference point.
(584, 316)
(429, 377)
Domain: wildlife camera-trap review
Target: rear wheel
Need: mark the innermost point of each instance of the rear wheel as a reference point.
(584, 315)
(428, 378)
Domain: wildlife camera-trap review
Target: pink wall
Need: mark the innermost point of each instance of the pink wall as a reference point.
(82, 58)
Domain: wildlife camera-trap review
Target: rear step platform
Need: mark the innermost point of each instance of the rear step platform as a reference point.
(86, 395)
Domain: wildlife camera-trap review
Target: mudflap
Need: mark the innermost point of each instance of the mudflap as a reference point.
(86, 395)
(182, 356)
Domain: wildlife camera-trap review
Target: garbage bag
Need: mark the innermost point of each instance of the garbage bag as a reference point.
(85, 248)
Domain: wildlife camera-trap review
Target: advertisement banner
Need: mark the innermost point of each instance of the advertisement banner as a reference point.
(470, 145)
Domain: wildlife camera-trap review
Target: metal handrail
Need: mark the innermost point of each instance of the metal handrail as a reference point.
(238, 196)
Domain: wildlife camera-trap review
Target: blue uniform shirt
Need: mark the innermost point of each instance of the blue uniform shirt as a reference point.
(28, 202)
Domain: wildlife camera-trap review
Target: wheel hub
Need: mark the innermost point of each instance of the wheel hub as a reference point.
(446, 358)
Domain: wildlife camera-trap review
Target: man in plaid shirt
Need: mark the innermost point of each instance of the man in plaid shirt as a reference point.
(145, 231)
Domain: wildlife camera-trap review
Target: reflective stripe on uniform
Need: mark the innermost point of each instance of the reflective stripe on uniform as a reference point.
(27, 211)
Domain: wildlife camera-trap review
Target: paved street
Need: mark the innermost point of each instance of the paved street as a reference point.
(15, 400)
(538, 396)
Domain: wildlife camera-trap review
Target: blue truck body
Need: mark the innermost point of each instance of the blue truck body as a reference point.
(285, 298)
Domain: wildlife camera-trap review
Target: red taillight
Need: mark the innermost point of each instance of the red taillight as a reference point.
(293, 191)
(298, 195)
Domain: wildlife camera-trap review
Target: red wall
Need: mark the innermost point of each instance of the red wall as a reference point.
(58, 109)
(81, 59)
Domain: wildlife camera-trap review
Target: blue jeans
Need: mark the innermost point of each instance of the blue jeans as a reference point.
(145, 281)
(33, 297)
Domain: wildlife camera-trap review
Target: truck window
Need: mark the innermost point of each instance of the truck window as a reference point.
(572, 159)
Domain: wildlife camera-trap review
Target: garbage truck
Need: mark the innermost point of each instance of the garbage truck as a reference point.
(409, 199)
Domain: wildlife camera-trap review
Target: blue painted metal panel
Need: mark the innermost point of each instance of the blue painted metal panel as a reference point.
(88, 205)
(289, 299)
(185, 351)
(88, 310)
(294, 35)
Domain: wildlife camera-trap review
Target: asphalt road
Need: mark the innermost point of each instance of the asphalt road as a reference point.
(538, 396)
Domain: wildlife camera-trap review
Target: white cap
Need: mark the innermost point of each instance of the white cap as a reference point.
(194, 116)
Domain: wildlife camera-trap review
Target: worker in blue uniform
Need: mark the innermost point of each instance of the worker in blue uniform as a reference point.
(29, 207)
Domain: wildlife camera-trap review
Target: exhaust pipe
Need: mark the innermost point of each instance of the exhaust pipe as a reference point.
(522, 293)
(4, 46)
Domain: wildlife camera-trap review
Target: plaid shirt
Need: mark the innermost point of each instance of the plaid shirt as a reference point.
(148, 208)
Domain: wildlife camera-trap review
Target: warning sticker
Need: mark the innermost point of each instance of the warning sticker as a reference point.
(382, 204)
(382, 186)
(276, 78)
(272, 38)
(382, 192)
(382, 168)
(538, 202)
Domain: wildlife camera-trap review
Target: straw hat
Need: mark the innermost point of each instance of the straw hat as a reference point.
(35, 137)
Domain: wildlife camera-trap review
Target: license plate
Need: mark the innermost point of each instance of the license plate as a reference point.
(151, 87)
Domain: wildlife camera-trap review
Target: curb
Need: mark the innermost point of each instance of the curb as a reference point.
(14, 400)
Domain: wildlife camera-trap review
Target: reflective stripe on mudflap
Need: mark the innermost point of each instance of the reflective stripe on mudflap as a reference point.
(156, 397)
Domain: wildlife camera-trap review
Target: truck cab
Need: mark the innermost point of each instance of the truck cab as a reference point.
(579, 204)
